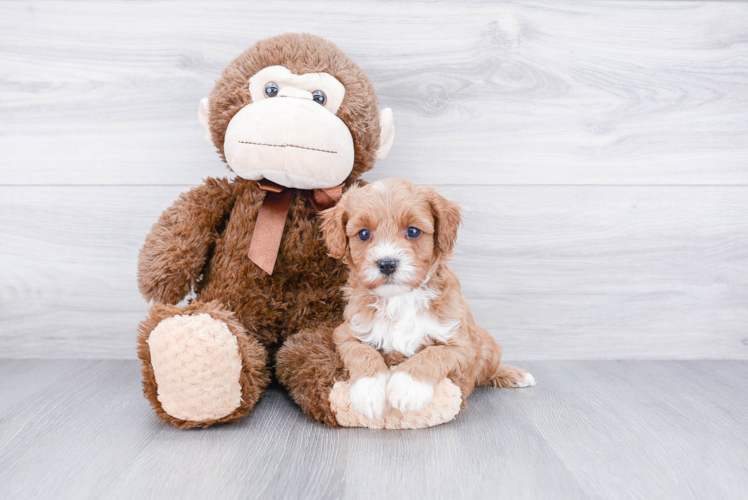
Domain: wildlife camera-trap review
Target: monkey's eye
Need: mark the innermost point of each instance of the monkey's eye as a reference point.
(271, 89)
(414, 232)
(319, 97)
(364, 235)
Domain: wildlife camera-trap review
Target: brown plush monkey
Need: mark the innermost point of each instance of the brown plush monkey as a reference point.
(297, 120)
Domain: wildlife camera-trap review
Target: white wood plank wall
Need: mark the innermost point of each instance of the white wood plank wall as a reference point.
(601, 149)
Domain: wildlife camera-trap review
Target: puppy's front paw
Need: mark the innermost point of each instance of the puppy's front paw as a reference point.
(369, 396)
(408, 394)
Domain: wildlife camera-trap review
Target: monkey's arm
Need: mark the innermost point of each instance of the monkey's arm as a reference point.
(175, 250)
(361, 359)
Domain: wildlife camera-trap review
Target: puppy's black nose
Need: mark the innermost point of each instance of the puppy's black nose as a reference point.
(387, 266)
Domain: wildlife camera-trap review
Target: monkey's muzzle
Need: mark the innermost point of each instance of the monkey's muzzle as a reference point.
(294, 142)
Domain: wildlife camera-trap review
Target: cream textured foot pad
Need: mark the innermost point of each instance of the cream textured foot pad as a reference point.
(197, 366)
(444, 407)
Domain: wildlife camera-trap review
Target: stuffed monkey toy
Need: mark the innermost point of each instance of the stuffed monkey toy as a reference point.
(298, 122)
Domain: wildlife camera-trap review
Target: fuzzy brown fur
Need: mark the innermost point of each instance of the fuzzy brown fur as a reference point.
(201, 243)
(309, 366)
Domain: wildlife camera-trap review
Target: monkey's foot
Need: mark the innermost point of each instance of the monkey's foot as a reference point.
(200, 367)
(444, 407)
(197, 366)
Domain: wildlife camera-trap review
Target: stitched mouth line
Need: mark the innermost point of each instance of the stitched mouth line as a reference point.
(287, 146)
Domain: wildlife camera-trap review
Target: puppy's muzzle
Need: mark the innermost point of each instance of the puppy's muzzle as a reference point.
(387, 266)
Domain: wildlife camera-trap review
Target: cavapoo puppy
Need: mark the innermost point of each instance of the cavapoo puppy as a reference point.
(407, 325)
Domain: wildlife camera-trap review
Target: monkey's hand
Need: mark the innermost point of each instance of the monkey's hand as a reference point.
(172, 259)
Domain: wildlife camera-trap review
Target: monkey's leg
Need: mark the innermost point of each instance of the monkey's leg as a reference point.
(308, 367)
(199, 365)
(313, 373)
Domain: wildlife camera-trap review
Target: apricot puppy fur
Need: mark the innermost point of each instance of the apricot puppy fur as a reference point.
(396, 238)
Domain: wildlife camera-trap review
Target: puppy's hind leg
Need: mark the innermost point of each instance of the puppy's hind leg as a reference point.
(495, 374)
(511, 376)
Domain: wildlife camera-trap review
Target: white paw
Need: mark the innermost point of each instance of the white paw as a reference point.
(369, 396)
(527, 380)
(408, 394)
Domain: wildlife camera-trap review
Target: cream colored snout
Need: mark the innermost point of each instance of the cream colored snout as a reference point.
(290, 140)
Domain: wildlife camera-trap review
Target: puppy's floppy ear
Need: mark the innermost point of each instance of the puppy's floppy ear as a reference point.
(333, 227)
(447, 218)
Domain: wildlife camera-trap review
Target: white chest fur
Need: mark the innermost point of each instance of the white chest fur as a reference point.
(403, 323)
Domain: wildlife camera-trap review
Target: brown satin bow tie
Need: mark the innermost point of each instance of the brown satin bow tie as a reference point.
(266, 239)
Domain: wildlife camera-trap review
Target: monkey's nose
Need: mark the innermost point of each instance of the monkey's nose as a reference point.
(387, 266)
(289, 91)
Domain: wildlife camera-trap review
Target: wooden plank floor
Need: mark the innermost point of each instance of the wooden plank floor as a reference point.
(590, 429)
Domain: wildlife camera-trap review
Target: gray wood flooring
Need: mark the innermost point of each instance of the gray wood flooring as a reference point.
(590, 429)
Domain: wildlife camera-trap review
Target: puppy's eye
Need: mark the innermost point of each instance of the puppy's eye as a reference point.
(319, 97)
(414, 232)
(271, 89)
(364, 235)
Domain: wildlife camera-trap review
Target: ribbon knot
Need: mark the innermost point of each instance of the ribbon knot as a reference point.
(266, 238)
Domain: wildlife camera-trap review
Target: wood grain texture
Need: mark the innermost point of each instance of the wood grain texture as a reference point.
(600, 148)
(581, 272)
(603, 429)
(513, 92)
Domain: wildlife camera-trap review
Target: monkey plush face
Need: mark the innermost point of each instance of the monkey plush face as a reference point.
(295, 110)
(290, 133)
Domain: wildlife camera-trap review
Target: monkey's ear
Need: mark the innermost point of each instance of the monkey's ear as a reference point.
(386, 133)
(447, 218)
(333, 229)
(203, 115)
